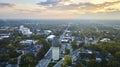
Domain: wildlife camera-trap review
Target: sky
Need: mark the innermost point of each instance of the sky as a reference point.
(60, 9)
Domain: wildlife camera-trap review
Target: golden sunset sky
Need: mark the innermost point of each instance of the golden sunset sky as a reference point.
(60, 9)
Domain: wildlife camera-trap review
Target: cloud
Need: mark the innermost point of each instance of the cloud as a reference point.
(6, 5)
(28, 11)
(49, 2)
(85, 7)
(70, 4)
(61, 9)
(70, 8)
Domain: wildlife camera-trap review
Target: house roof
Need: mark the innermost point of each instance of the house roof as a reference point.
(50, 36)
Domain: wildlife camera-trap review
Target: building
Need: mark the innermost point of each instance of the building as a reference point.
(105, 40)
(68, 33)
(80, 41)
(47, 32)
(4, 36)
(64, 40)
(25, 31)
(55, 53)
(28, 42)
(55, 50)
(84, 54)
(40, 32)
(32, 50)
(67, 37)
(50, 37)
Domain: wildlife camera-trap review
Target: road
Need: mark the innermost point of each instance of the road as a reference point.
(46, 60)
(63, 46)
(61, 37)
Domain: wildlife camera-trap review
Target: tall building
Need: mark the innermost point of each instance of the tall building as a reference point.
(55, 53)
(55, 50)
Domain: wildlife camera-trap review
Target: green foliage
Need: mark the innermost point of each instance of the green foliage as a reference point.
(39, 42)
(9, 55)
(74, 45)
(59, 45)
(13, 61)
(117, 56)
(10, 46)
(33, 64)
(113, 48)
(104, 63)
(38, 37)
(68, 60)
(51, 64)
(40, 55)
(67, 51)
(27, 59)
(64, 64)
(46, 45)
(4, 56)
(93, 63)
(114, 64)
(13, 54)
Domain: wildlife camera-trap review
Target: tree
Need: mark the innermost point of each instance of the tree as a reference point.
(59, 45)
(38, 37)
(18, 38)
(104, 63)
(46, 45)
(13, 61)
(64, 64)
(93, 56)
(80, 63)
(112, 48)
(4, 56)
(114, 64)
(117, 56)
(74, 45)
(39, 42)
(11, 46)
(68, 60)
(13, 54)
(40, 54)
(27, 59)
(93, 63)
(67, 51)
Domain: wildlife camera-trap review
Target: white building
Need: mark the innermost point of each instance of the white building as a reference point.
(55, 53)
(47, 32)
(98, 59)
(64, 40)
(50, 37)
(28, 42)
(55, 49)
(105, 40)
(4, 36)
(25, 30)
